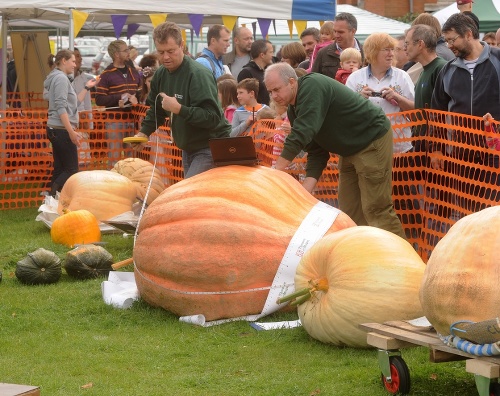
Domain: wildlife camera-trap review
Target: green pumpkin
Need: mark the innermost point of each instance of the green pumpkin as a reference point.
(88, 262)
(40, 267)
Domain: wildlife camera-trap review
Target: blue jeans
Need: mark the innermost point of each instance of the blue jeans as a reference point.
(196, 162)
(115, 132)
(65, 156)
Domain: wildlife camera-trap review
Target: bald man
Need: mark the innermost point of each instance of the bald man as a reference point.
(240, 55)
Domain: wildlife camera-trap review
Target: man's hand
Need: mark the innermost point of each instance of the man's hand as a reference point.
(139, 146)
(169, 103)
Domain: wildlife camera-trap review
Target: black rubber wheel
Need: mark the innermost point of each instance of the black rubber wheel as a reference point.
(495, 389)
(400, 377)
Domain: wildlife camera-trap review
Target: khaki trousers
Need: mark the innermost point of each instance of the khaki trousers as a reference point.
(365, 186)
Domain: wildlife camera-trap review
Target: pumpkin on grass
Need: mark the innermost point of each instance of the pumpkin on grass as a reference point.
(462, 278)
(139, 172)
(103, 193)
(40, 267)
(353, 276)
(78, 227)
(88, 262)
(207, 239)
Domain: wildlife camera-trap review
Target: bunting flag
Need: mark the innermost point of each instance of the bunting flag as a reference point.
(254, 29)
(321, 23)
(184, 37)
(79, 18)
(156, 19)
(264, 26)
(300, 26)
(290, 27)
(131, 29)
(196, 22)
(118, 22)
(229, 21)
(274, 26)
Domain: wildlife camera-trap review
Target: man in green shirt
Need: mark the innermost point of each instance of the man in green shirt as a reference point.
(185, 91)
(327, 117)
(420, 45)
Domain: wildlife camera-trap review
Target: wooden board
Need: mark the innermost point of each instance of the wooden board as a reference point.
(421, 336)
(18, 390)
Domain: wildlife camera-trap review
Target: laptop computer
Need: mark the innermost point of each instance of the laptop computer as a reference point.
(239, 150)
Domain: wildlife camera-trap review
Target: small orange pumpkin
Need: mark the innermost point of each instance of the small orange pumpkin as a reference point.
(79, 226)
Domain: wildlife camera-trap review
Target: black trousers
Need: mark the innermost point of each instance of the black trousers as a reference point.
(65, 155)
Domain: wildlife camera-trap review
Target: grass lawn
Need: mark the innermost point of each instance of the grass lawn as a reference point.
(63, 338)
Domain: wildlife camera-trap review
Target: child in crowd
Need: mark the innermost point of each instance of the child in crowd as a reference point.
(326, 37)
(350, 61)
(147, 76)
(228, 97)
(246, 115)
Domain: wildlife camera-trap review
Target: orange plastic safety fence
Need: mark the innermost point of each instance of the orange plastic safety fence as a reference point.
(451, 170)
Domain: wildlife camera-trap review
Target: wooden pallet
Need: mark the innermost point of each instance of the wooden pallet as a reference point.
(392, 336)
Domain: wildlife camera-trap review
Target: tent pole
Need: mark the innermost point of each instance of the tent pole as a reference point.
(71, 31)
(4, 62)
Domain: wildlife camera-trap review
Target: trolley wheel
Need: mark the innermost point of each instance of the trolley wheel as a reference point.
(400, 377)
(495, 389)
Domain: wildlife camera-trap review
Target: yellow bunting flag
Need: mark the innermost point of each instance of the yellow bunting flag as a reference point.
(321, 23)
(229, 21)
(156, 19)
(290, 27)
(79, 18)
(184, 37)
(300, 26)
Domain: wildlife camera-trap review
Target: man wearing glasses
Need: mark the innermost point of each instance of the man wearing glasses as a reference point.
(469, 84)
(117, 91)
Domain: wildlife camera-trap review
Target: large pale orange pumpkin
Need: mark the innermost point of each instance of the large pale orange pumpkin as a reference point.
(363, 275)
(139, 172)
(225, 230)
(462, 278)
(103, 193)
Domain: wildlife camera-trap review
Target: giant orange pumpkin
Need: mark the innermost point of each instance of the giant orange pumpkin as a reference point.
(462, 278)
(103, 193)
(208, 238)
(358, 275)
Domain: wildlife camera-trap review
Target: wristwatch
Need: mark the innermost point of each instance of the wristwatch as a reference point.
(87, 88)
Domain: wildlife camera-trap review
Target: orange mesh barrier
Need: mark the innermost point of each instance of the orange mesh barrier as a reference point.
(428, 199)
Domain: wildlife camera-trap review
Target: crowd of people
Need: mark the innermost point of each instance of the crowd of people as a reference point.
(331, 93)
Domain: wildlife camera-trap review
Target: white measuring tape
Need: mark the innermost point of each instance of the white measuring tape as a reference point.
(317, 222)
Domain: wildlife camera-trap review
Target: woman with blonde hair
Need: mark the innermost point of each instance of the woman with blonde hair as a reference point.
(383, 84)
(62, 120)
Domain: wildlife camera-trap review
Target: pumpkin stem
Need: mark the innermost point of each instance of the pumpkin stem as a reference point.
(302, 295)
(293, 295)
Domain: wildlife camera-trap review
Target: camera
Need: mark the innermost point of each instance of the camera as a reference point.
(377, 94)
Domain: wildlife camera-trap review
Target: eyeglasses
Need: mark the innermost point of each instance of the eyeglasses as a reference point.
(452, 41)
(388, 50)
(406, 43)
(125, 50)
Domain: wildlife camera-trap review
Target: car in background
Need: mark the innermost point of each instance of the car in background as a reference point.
(87, 41)
(88, 53)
